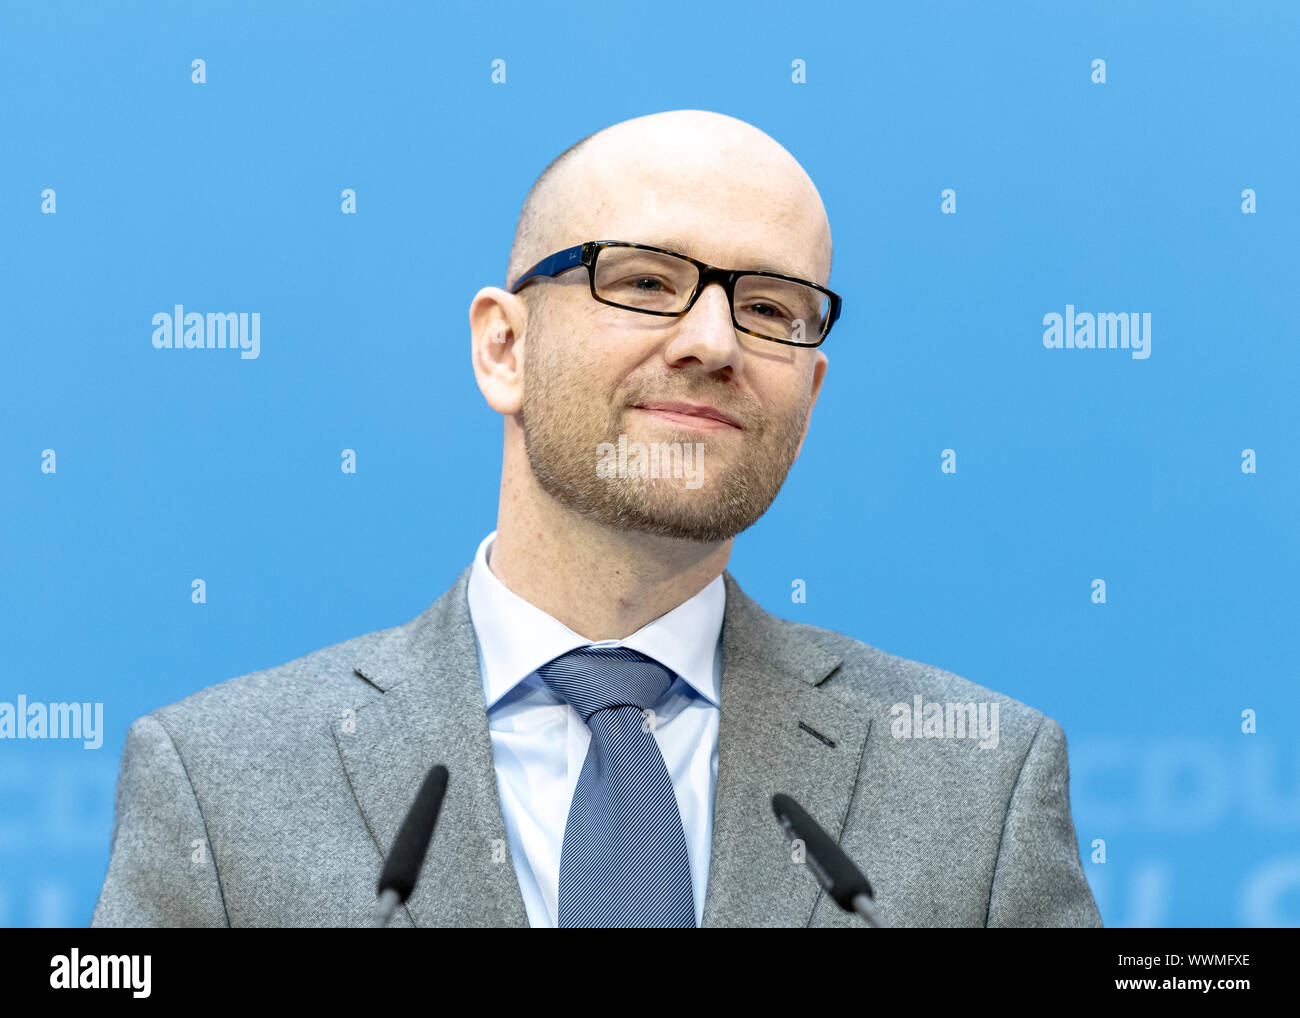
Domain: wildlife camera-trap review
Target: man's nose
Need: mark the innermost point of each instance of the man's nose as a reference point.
(707, 332)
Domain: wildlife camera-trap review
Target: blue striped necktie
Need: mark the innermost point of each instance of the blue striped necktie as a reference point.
(624, 860)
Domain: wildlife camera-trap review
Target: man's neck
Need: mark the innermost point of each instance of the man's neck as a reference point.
(603, 584)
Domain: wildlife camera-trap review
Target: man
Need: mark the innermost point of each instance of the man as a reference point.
(615, 713)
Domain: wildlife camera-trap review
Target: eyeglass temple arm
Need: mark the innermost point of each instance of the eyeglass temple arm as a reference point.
(552, 265)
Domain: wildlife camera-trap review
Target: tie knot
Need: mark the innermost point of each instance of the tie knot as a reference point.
(594, 678)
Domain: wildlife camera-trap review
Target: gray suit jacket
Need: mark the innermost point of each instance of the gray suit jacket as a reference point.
(272, 799)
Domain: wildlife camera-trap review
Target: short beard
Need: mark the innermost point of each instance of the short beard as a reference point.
(563, 423)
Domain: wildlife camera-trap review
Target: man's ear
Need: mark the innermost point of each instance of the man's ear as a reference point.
(497, 321)
(821, 362)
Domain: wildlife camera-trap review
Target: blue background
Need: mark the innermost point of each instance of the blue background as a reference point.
(1072, 464)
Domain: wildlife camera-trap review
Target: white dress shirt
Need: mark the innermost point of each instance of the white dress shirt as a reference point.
(539, 742)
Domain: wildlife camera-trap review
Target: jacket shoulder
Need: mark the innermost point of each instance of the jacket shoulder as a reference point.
(281, 698)
(866, 672)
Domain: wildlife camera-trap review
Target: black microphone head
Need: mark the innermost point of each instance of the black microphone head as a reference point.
(833, 869)
(412, 842)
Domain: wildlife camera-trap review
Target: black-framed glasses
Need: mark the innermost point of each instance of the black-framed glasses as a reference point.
(656, 281)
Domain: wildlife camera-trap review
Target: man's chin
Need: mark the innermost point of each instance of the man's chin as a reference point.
(672, 512)
(677, 528)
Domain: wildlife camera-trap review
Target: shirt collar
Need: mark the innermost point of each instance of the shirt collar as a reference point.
(515, 637)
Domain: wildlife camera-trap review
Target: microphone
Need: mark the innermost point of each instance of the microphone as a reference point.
(402, 867)
(833, 869)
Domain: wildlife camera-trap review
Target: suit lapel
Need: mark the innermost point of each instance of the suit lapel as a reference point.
(771, 670)
(432, 712)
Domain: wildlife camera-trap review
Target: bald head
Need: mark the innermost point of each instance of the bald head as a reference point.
(699, 182)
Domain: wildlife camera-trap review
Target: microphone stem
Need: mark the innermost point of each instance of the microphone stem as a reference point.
(388, 902)
(866, 908)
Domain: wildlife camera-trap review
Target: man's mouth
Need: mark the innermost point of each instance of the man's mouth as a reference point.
(690, 415)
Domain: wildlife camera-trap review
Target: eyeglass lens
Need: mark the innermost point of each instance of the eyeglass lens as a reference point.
(652, 281)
